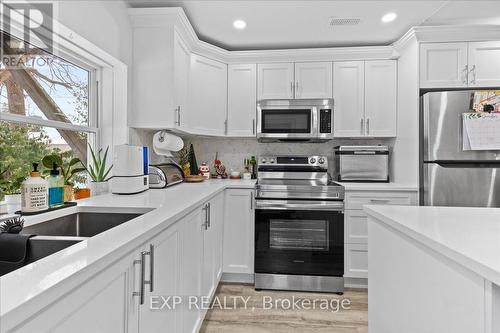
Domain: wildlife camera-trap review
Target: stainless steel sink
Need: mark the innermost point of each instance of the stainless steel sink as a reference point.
(43, 246)
(79, 224)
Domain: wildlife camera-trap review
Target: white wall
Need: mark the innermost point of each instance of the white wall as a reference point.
(405, 153)
(104, 23)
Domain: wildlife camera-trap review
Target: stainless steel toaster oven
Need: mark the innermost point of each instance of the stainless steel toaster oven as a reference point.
(361, 163)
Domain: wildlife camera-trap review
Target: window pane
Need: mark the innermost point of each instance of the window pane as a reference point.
(22, 145)
(36, 83)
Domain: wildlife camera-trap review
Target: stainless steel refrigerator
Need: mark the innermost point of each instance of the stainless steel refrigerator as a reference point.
(450, 175)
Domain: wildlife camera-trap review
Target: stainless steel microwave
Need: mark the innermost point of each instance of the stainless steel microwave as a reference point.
(295, 120)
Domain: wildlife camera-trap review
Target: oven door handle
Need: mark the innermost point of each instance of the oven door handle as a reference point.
(299, 205)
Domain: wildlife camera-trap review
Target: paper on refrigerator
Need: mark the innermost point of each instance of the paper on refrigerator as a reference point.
(481, 131)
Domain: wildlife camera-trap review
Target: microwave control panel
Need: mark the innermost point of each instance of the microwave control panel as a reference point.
(325, 121)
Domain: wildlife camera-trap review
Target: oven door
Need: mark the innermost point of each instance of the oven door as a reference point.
(287, 122)
(299, 237)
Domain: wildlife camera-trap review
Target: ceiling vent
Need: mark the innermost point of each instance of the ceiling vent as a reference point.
(335, 21)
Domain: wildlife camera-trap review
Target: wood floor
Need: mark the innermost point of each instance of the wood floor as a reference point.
(256, 318)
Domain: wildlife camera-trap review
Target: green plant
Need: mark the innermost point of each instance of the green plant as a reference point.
(97, 170)
(69, 168)
(9, 185)
(183, 155)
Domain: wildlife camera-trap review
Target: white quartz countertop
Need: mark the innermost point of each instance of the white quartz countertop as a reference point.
(468, 236)
(20, 290)
(355, 186)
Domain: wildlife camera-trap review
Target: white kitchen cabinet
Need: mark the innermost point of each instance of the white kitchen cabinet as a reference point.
(380, 98)
(206, 112)
(103, 303)
(241, 100)
(190, 267)
(313, 80)
(356, 225)
(365, 96)
(165, 266)
(239, 231)
(159, 76)
(443, 65)
(213, 215)
(182, 60)
(484, 64)
(275, 81)
(348, 96)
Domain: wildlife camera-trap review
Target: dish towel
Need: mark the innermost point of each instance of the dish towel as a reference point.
(13, 251)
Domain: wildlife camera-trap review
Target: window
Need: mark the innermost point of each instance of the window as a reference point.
(47, 105)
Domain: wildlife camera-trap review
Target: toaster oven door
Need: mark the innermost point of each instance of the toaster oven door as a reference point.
(366, 166)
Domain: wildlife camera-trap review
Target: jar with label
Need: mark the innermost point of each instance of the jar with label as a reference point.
(34, 192)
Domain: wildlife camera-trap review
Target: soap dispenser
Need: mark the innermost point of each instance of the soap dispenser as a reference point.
(34, 192)
(56, 188)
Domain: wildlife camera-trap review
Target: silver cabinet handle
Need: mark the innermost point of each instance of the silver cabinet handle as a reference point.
(362, 127)
(178, 110)
(205, 223)
(464, 74)
(368, 126)
(253, 126)
(141, 261)
(251, 200)
(291, 89)
(225, 126)
(297, 89)
(380, 200)
(209, 211)
(473, 72)
(151, 267)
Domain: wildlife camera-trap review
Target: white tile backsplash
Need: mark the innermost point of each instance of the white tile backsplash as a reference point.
(232, 151)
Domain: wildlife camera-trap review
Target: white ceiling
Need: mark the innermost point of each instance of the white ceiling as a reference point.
(301, 24)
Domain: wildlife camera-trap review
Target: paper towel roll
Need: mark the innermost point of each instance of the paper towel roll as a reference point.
(164, 142)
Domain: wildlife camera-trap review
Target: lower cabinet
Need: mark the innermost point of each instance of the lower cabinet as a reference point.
(183, 260)
(239, 232)
(356, 225)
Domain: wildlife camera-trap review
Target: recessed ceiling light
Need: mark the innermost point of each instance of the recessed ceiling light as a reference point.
(389, 17)
(239, 24)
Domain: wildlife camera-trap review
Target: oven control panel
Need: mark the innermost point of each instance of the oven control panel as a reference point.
(302, 160)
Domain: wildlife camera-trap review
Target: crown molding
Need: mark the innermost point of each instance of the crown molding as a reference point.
(175, 17)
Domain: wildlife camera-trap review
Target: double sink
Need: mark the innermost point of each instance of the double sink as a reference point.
(59, 233)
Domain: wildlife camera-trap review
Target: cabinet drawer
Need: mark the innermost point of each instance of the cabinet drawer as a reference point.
(356, 226)
(356, 260)
(356, 200)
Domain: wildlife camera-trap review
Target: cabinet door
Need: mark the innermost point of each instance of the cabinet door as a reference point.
(313, 80)
(206, 112)
(484, 64)
(356, 227)
(443, 65)
(166, 279)
(104, 303)
(191, 263)
(275, 81)
(239, 231)
(241, 100)
(380, 98)
(356, 260)
(348, 95)
(181, 79)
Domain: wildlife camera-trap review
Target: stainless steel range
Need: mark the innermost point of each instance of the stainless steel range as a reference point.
(299, 225)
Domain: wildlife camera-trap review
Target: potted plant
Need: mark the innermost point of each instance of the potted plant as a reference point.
(98, 172)
(10, 190)
(69, 168)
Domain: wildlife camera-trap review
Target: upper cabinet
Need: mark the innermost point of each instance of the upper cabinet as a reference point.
(313, 80)
(241, 100)
(348, 96)
(294, 80)
(484, 64)
(160, 75)
(365, 98)
(451, 65)
(275, 81)
(380, 98)
(206, 112)
(443, 65)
